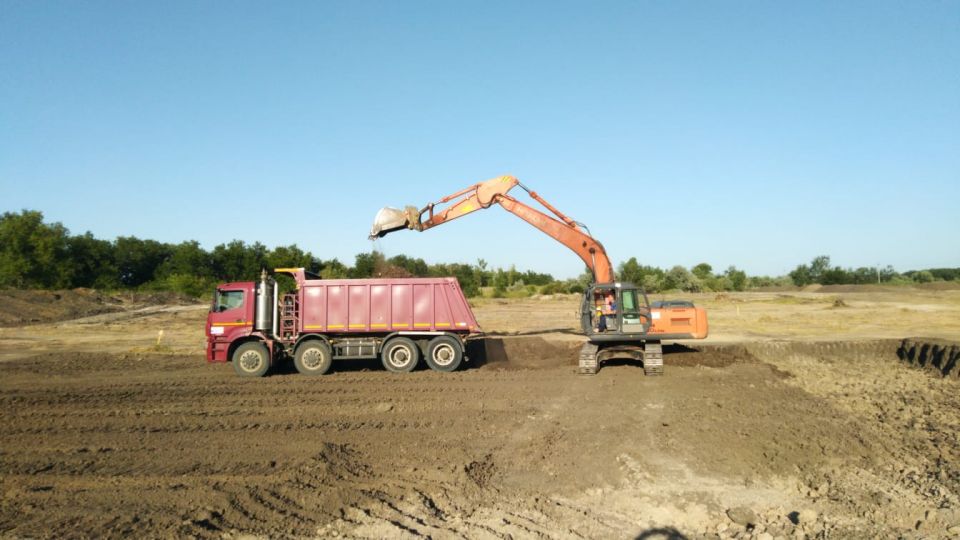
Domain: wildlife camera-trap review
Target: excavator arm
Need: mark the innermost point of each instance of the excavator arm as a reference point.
(494, 191)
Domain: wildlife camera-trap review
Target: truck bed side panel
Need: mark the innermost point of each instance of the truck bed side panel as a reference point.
(314, 308)
(379, 308)
(423, 306)
(462, 317)
(359, 307)
(443, 318)
(337, 308)
(402, 308)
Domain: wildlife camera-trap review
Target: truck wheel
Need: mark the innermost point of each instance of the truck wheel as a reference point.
(251, 359)
(444, 353)
(400, 355)
(313, 357)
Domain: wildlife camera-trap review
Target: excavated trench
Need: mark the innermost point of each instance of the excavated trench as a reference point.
(938, 356)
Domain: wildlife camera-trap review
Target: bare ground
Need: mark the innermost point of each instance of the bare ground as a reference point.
(796, 419)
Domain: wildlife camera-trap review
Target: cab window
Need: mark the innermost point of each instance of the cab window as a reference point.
(629, 300)
(631, 311)
(228, 300)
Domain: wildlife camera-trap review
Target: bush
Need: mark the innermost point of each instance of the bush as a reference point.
(194, 286)
(557, 287)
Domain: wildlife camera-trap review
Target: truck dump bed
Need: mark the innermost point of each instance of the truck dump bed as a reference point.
(337, 306)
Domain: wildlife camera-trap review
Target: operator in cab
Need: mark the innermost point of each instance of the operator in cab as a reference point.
(607, 313)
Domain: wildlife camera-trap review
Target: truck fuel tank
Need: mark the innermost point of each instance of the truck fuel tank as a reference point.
(265, 303)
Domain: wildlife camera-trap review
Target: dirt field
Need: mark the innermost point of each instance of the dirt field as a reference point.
(795, 419)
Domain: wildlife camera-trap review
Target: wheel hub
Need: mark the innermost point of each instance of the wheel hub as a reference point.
(443, 355)
(312, 359)
(250, 361)
(400, 357)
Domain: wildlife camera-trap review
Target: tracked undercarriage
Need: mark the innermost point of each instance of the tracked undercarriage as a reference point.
(650, 353)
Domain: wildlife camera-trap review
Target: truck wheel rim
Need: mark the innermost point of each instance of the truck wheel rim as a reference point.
(250, 361)
(399, 356)
(312, 358)
(443, 354)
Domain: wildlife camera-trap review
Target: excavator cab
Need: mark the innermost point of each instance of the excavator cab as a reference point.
(612, 311)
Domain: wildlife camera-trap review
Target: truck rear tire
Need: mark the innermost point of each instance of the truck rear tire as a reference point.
(400, 355)
(313, 357)
(444, 353)
(251, 359)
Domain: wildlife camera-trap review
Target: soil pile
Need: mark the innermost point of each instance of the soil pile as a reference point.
(20, 307)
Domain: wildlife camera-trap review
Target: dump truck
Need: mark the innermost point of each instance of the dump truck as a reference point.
(399, 320)
(616, 316)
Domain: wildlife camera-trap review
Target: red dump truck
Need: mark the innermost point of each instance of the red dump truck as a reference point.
(253, 325)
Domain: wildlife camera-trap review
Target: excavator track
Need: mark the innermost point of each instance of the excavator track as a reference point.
(588, 359)
(652, 358)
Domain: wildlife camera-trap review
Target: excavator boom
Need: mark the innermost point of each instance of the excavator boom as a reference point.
(494, 191)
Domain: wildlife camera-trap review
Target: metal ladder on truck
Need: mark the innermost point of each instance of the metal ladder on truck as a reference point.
(289, 317)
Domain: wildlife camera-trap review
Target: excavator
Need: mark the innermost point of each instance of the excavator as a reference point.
(615, 316)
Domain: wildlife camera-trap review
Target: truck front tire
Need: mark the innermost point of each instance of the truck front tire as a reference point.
(313, 357)
(400, 355)
(251, 359)
(444, 353)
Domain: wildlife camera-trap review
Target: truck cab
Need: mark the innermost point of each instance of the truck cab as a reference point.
(230, 318)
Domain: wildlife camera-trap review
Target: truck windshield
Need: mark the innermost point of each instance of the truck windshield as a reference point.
(228, 300)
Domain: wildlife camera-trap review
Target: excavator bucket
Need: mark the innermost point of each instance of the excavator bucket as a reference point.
(393, 219)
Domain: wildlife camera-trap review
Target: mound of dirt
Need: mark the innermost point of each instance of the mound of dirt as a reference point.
(523, 352)
(23, 307)
(166, 298)
(940, 285)
(716, 356)
(933, 286)
(535, 352)
(20, 307)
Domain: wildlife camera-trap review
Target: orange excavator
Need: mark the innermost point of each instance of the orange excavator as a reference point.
(616, 316)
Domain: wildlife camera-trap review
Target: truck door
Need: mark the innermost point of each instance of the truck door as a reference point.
(231, 316)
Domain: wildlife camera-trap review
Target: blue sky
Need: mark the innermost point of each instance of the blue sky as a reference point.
(756, 134)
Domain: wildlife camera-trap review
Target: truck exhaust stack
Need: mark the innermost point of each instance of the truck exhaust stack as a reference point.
(393, 219)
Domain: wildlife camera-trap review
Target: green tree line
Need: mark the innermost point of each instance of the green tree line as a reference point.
(40, 255)
(821, 271)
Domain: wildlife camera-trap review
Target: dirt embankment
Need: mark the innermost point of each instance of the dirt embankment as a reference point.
(19, 307)
(24, 307)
